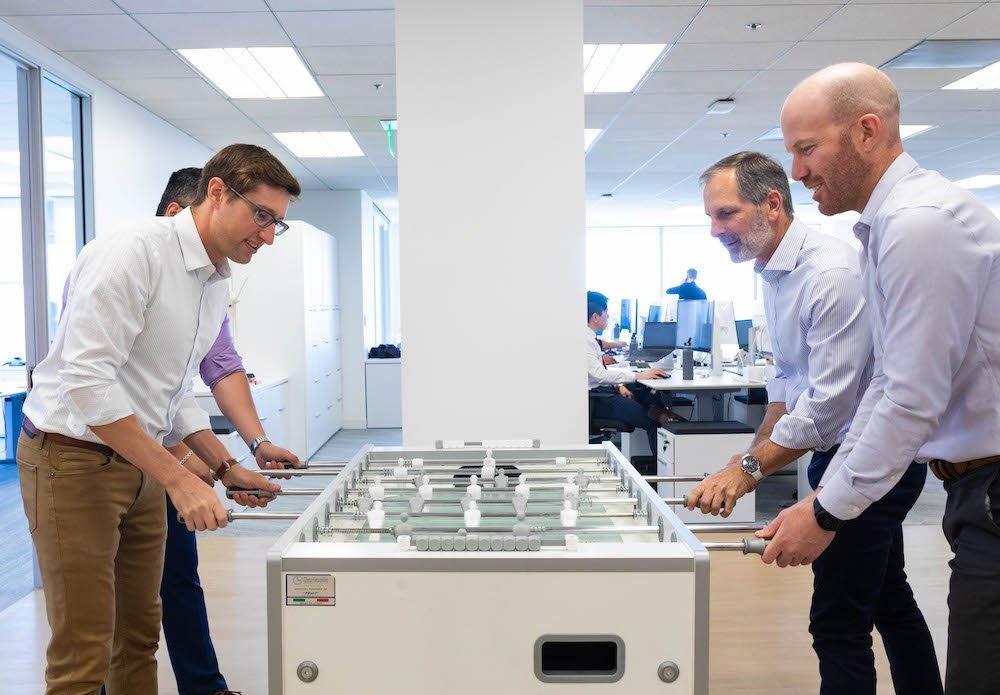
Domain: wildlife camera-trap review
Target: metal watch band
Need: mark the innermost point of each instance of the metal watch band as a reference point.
(255, 444)
(220, 472)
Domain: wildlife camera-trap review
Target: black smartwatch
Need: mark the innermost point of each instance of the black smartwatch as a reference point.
(826, 520)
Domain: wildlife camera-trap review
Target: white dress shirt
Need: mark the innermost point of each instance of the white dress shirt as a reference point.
(597, 373)
(820, 337)
(930, 267)
(145, 305)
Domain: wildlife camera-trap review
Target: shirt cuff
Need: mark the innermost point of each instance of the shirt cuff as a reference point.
(796, 432)
(841, 500)
(188, 420)
(88, 406)
(219, 377)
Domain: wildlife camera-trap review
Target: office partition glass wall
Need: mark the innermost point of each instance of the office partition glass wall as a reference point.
(11, 270)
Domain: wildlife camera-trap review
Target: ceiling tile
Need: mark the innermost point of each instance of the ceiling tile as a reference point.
(813, 55)
(604, 103)
(890, 21)
(177, 6)
(722, 56)
(691, 103)
(355, 60)
(181, 88)
(287, 108)
(777, 23)
(722, 82)
(365, 124)
(124, 65)
(353, 86)
(635, 24)
(926, 78)
(345, 28)
(981, 23)
(174, 109)
(65, 7)
(340, 166)
(84, 32)
(302, 123)
(377, 107)
(322, 5)
(215, 29)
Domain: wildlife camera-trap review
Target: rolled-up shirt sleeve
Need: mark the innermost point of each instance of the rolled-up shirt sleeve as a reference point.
(930, 300)
(222, 359)
(188, 419)
(599, 373)
(100, 334)
(840, 352)
(777, 385)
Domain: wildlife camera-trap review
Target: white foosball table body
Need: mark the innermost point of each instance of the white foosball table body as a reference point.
(625, 614)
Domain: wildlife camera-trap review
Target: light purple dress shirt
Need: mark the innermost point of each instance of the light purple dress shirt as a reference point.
(221, 360)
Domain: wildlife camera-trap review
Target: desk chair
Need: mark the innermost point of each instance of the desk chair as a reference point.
(604, 429)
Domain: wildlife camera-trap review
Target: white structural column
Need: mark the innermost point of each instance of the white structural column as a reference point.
(491, 214)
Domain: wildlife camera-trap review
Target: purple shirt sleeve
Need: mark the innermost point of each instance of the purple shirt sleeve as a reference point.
(222, 359)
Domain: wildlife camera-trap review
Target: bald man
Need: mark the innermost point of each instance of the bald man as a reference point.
(930, 265)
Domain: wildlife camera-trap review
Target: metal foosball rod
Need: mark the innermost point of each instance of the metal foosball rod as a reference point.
(723, 527)
(295, 472)
(256, 492)
(673, 478)
(748, 546)
(485, 515)
(587, 501)
(551, 461)
(445, 479)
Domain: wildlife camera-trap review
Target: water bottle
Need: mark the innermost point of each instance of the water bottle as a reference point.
(687, 362)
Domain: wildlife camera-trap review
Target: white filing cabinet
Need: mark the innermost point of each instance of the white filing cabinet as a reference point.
(384, 392)
(696, 448)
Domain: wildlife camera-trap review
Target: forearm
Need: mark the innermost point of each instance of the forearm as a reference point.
(774, 457)
(613, 345)
(179, 451)
(129, 440)
(236, 403)
(775, 411)
(208, 448)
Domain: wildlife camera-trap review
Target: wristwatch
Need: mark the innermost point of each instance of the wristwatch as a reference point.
(751, 466)
(826, 520)
(256, 443)
(220, 472)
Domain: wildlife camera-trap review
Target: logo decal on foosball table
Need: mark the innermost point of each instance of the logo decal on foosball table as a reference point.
(310, 590)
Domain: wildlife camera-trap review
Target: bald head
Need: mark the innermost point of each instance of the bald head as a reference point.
(849, 91)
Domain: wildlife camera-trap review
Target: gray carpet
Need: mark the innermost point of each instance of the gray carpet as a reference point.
(15, 560)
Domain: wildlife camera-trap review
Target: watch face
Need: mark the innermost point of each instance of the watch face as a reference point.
(750, 464)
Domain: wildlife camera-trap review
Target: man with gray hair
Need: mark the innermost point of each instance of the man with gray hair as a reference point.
(822, 347)
(930, 270)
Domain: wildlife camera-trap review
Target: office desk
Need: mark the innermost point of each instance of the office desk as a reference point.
(703, 386)
(13, 400)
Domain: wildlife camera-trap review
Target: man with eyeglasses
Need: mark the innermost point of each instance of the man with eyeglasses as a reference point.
(185, 616)
(145, 305)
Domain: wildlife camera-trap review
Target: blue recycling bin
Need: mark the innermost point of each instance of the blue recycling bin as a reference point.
(13, 416)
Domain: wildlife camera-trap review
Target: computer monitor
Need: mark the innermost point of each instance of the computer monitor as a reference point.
(660, 335)
(654, 313)
(743, 333)
(625, 320)
(694, 323)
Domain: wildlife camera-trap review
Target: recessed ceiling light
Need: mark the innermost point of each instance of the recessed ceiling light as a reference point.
(254, 73)
(615, 68)
(320, 144)
(951, 53)
(981, 181)
(987, 78)
(588, 136)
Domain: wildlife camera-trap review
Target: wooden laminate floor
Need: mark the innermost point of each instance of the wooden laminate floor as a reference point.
(759, 641)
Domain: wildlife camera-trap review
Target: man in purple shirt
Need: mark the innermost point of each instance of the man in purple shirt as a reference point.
(185, 619)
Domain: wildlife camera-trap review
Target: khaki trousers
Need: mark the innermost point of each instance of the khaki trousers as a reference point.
(98, 525)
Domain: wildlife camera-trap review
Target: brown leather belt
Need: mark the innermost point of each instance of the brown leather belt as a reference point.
(946, 470)
(33, 431)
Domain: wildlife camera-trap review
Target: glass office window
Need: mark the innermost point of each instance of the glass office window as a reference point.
(12, 342)
(624, 263)
(61, 142)
(694, 247)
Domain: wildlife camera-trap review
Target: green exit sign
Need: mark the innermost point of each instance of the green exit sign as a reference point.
(390, 127)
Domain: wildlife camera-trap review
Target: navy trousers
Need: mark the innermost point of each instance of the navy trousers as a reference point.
(617, 407)
(972, 527)
(185, 619)
(859, 583)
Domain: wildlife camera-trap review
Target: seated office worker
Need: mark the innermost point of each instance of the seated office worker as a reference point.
(930, 272)
(822, 344)
(185, 617)
(145, 305)
(617, 403)
(689, 288)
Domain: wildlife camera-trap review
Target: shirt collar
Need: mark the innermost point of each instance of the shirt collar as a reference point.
(902, 166)
(591, 333)
(786, 256)
(193, 249)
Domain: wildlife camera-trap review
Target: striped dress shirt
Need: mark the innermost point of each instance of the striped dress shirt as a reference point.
(820, 337)
(930, 265)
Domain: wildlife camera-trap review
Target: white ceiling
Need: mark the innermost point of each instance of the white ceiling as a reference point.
(655, 141)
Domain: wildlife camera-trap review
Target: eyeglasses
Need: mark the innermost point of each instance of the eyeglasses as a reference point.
(263, 218)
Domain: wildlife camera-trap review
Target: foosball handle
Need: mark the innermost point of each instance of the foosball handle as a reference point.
(290, 466)
(229, 517)
(257, 492)
(755, 546)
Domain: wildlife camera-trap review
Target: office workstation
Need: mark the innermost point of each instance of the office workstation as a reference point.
(291, 293)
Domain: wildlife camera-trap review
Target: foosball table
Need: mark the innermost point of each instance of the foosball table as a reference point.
(488, 568)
